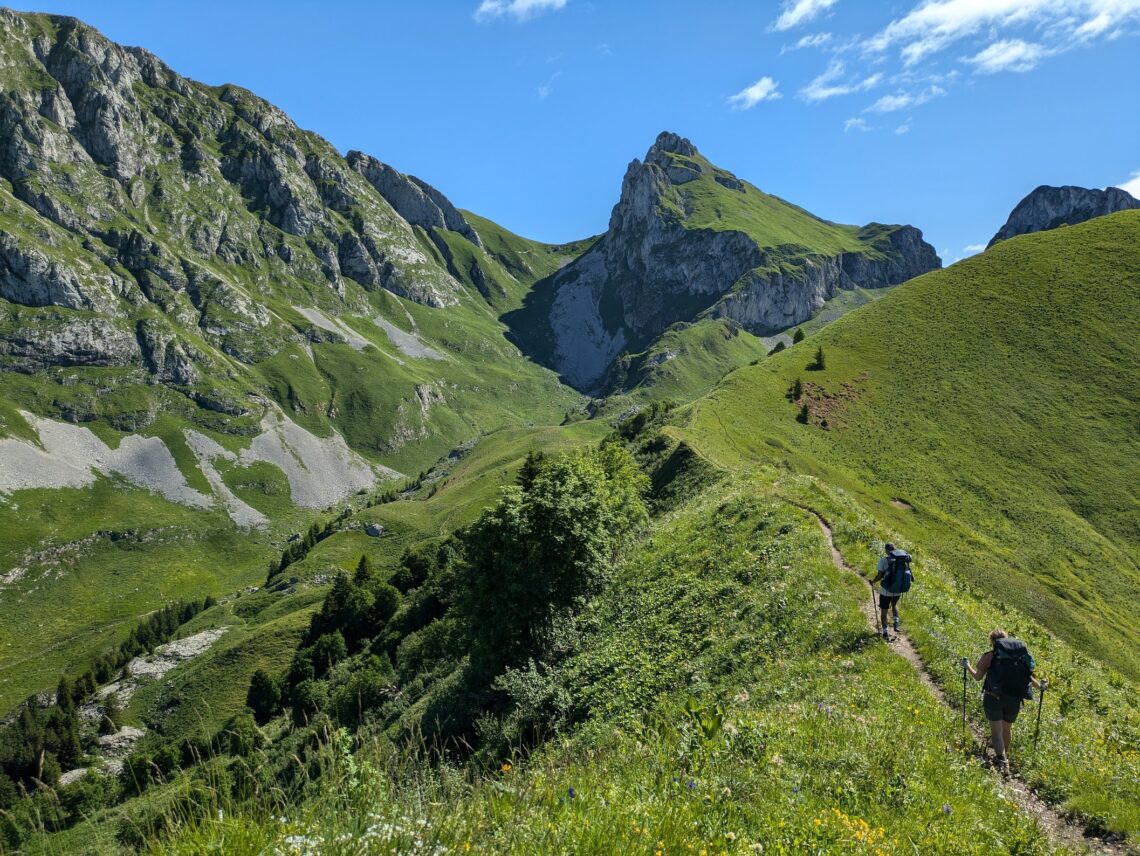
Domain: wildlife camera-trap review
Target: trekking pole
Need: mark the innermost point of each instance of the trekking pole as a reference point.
(963, 699)
(1037, 727)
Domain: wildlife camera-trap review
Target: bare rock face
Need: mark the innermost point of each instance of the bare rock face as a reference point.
(653, 267)
(1050, 207)
(416, 201)
(126, 188)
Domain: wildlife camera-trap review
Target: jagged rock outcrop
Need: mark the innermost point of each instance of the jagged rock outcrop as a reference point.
(1050, 207)
(686, 237)
(416, 201)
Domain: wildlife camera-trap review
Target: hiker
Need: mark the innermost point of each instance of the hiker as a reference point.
(1008, 672)
(894, 570)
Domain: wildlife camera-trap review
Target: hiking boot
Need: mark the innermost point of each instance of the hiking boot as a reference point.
(1002, 764)
(886, 635)
(896, 624)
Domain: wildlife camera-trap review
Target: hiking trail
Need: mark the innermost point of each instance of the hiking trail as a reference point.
(1060, 831)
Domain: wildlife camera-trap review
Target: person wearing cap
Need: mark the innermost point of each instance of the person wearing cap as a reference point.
(888, 600)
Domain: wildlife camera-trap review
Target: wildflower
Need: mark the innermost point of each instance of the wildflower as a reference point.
(692, 786)
(727, 791)
(777, 761)
(731, 836)
(570, 792)
(946, 809)
(506, 767)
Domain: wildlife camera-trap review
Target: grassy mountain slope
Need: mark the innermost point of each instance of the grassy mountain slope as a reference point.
(735, 701)
(995, 402)
(713, 198)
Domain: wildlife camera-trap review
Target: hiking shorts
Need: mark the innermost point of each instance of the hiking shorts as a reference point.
(886, 601)
(1001, 708)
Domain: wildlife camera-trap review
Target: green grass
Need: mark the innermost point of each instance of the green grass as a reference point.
(996, 399)
(1087, 761)
(84, 592)
(704, 203)
(731, 609)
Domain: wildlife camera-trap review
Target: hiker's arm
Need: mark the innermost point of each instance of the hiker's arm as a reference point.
(979, 671)
(1038, 683)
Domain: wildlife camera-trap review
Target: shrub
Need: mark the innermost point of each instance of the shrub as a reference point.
(798, 336)
(779, 346)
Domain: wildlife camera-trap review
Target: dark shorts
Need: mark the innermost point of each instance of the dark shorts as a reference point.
(886, 601)
(1001, 708)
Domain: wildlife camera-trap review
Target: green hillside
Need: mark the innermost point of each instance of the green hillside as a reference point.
(989, 412)
(714, 198)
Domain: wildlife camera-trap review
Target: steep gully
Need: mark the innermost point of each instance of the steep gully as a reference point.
(1062, 832)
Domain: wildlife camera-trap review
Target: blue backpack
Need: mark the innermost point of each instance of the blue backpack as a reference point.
(899, 576)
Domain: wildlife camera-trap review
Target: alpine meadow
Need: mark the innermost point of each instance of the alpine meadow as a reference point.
(336, 518)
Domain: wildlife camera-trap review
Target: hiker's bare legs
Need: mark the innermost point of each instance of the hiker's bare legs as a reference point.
(998, 730)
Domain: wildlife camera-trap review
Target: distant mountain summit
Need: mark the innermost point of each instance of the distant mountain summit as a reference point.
(1049, 207)
(688, 238)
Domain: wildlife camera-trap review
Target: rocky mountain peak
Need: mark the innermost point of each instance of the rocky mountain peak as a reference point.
(687, 237)
(669, 143)
(1050, 207)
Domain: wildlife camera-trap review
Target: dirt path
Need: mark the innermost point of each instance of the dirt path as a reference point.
(1062, 832)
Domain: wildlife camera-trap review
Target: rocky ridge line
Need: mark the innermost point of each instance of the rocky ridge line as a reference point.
(1051, 207)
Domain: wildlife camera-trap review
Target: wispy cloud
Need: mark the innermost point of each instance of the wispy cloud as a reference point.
(829, 85)
(934, 25)
(856, 124)
(1132, 186)
(1008, 55)
(520, 10)
(796, 12)
(903, 100)
(816, 40)
(973, 248)
(764, 89)
(903, 128)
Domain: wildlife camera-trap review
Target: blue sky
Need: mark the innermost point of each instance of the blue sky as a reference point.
(940, 113)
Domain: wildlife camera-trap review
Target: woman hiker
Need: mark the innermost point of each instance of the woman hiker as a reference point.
(1008, 672)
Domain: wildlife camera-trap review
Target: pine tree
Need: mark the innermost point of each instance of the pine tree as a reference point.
(798, 336)
(779, 346)
(264, 696)
(363, 571)
(804, 414)
(818, 364)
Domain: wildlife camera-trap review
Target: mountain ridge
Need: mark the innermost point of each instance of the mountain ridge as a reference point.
(1047, 207)
(687, 238)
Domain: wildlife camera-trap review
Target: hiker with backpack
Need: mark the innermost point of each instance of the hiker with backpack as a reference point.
(894, 571)
(1007, 669)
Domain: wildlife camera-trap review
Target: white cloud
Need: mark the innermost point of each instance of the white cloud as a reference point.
(1008, 55)
(520, 10)
(855, 125)
(544, 90)
(903, 100)
(816, 40)
(826, 86)
(903, 128)
(796, 12)
(764, 89)
(971, 249)
(933, 25)
(1132, 186)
